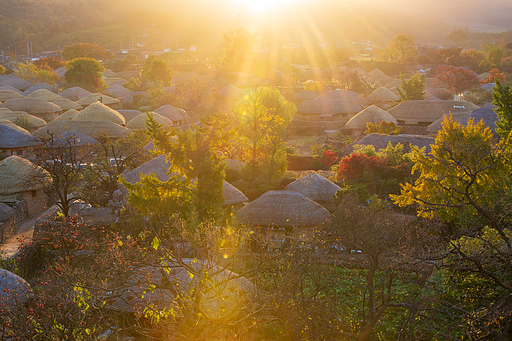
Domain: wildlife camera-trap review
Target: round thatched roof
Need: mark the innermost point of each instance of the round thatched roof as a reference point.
(232, 195)
(43, 94)
(384, 81)
(437, 92)
(9, 94)
(371, 114)
(15, 82)
(421, 112)
(99, 112)
(121, 92)
(68, 115)
(380, 141)
(377, 74)
(4, 86)
(108, 73)
(96, 97)
(395, 83)
(67, 104)
(129, 114)
(328, 108)
(14, 291)
(61, 71)
(282, 208)
(172, 113)
(481, 77)
(33, 106)
(38, 86)
(19, 175)
(5, 212)
(304, 95)
(341, 95)
(72, 139)
(126, 75)
(358, 71)
(158, 166)
(32, 122)
(382, 94)
(487, 115)
(10, 138)
(90, 128)
(139, 122)
(231, 90)
(314, 187)
(74, 93)
(7, 123)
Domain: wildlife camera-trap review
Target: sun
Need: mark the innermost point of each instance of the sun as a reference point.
(261, 5)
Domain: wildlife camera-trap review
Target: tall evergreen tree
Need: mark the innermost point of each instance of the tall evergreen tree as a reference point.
(412, 89)
(502, 99)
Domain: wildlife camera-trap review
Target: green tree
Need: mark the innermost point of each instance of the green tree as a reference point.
(85, 50)
(402, 49)
(493, 57)
(457, 36)
(85, 72)
(31, 73)
(383, 127)
(157, 71)
(262, 118)
(502, 99)
(238, 46)
(412, 89)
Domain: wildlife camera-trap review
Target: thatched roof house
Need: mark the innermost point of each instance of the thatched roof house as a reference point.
(44, 94)
(15, 82)
(13, 140)
(75, 93)
(487, 115)
(22, 180)
(34, 106)
(7, 224)
(231, 91)
(119, 91)
(304, 95)
(90, 128)
(314, 187)
(97, 97)
(232, 195)
(72, 138)
(328, 108)
(360, 72)
(7, 123)
(158, 166)
(426, 112)
(38, 86)
(139, 122)
(372, 114)
(129, 114)
(31, 122)
(67, 104)
(68, 115)
(377, 74)
(100, 112)
(382, 95)
(9, 94)
(176, 115)
(380, 141)
(438, 92)
(341, 95)
(282, 208)
(14, 291)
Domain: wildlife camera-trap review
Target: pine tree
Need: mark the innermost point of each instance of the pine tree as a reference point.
(412, 89)
(502, 99)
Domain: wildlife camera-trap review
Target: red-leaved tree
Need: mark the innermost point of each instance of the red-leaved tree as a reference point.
(458, 79)
(495, 74)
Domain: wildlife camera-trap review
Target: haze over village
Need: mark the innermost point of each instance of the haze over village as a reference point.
(255, 170)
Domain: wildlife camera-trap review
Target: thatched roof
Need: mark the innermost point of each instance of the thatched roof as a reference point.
(121, 92)
(314, 187)
(172, 113)
(231, 90)
(126, 75)
(108, 73)
(68, 115)
(18, 175)
(382, 94)
(371, 114)
(282, 208)
(38, 86)
(74, 93)
(10, 138)
(61, 71)
(4, 86)
(9, 94)
(377, 74)
(7, 123)
(380, 141)
(487, 115)
(395, 83)
(67, 104)
(32, 122)
(232, 195)
(437, 92)
(43, 94)
(139, 122)
(329, 108)
(420, 112)
(385, 81)
(304, 95)
(358, 71)
(72, 138)
(96, 97)
(129, 114)
(15, 82)
(341, 95)
(33, 106)
(481, 77)
(99, 112)
(158, 166)
(5, 212)
(14, 291)
(90, 128)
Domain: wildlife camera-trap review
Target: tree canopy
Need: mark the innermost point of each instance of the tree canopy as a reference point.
(85, 50)
(412, 89)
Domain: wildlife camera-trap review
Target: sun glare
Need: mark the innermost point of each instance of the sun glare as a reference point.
(260, 5)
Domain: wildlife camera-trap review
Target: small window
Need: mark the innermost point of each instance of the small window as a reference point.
(34, 193)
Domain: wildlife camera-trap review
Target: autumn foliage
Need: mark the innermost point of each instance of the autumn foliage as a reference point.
(495, 74)
(458, 79)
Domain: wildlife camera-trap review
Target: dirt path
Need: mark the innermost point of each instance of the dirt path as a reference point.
(26, 230)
